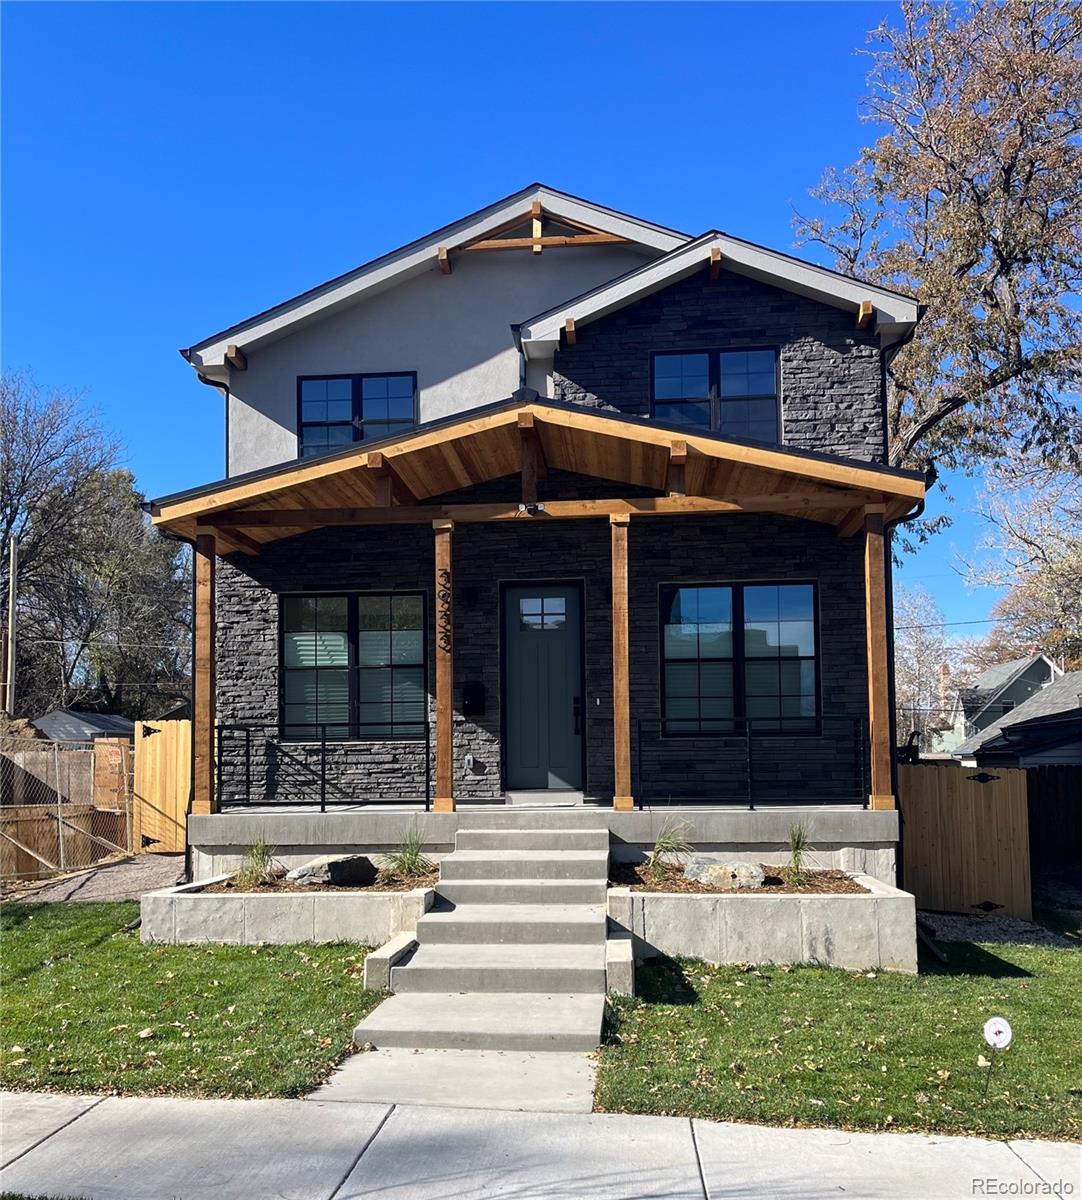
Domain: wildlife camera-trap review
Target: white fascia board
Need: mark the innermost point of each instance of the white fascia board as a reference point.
(895, 314)
(416, 258)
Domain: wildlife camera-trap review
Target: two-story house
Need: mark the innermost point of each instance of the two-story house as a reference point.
(552, 500)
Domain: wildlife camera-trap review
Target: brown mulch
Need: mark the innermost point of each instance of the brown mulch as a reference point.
(670, 878)
(388, 883)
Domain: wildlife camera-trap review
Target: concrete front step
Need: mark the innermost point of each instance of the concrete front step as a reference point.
(532, 839)
(485, 1021)
(513, 924)
(522, 891)
(494, 968)
(526, 864)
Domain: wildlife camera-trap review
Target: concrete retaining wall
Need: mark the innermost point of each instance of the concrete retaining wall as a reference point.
(876, 931)
(186, 915)
(849, 839)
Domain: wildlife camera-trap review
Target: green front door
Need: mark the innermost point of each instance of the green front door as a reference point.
(543, 700)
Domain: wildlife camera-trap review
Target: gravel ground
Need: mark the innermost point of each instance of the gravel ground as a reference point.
(953, 927)
(119, 881)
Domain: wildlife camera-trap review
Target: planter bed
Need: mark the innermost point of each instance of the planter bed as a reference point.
(871, 929)
(366, 915)
(669, 878)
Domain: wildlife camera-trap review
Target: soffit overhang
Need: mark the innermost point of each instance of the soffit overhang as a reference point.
(475, 447)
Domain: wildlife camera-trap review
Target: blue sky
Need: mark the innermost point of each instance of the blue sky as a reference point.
(169, 169)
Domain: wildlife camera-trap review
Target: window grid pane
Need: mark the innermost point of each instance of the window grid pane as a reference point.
(335, 413)
(355, 665)
(773, 659)
(733, 392)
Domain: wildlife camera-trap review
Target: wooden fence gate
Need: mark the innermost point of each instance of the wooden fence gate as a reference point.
(162, 785)
(965, 838)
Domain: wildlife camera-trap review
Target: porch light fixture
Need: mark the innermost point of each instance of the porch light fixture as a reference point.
(531, 509)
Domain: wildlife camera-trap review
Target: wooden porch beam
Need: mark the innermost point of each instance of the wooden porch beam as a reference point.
(444, 800)
(390, 488)
(676, 475)
(244, 543)
(203, 697)
(875, 620)
(621, 685)
(853, 521)
(558, 510)
(532, 457)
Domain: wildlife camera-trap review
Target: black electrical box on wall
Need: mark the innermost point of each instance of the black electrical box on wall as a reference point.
(473, 699)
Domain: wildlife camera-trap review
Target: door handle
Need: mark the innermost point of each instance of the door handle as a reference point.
(576, 712)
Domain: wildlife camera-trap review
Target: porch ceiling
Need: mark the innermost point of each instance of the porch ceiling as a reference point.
(389, 482)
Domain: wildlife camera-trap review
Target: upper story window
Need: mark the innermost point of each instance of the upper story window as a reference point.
(337, 410)
(730, 392)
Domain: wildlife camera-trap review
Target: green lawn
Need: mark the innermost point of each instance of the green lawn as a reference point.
(819, 1047)
(88, 1008)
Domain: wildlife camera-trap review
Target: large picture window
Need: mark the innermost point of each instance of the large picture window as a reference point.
(731, 392)
(337, 410)
(355, 664)
(732, 653)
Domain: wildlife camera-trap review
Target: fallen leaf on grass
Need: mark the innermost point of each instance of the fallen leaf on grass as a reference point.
(145, 1033)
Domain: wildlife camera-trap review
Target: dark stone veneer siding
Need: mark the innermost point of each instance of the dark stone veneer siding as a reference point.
(715, 548)
(830, 374)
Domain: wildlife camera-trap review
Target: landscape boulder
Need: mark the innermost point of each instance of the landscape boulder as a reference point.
(336, 870)
(730, 877)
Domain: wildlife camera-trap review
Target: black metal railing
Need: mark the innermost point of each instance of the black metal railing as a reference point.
(752, 762)
(289, 764)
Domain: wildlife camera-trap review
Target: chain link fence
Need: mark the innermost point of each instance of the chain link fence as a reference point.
(64, 806)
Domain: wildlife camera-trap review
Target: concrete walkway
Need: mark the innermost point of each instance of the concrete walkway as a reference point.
(162, 1149)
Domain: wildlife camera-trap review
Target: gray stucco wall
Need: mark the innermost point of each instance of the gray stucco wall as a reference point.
(829, 370)
(452, 330)
(718, 548)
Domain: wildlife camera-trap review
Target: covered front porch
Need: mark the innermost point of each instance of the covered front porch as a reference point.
(641, 580)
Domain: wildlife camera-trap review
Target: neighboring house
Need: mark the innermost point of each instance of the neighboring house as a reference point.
(553, 500)
(74, 725)
(1044, 730)
(991, 696)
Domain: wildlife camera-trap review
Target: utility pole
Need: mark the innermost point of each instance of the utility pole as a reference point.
(13, 569)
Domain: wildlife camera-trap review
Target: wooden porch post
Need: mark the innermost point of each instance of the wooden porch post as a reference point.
(875, 620)
(621, 688)
(444, 800)
(203, 698)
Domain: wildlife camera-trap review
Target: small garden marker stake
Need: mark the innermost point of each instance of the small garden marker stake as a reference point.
(998, 1034)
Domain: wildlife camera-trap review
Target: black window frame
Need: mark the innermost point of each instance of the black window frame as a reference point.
(739, 661)
(715, 398)
(355, 733)
(357, 420)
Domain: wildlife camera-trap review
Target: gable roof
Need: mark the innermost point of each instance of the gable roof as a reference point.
(208, 355)
(74, 725)
(994, 680)
(895, 314)
(1060, 697)
(481, 444)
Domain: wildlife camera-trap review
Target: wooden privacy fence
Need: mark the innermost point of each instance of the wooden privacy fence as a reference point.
(162, 784)
(965, 838)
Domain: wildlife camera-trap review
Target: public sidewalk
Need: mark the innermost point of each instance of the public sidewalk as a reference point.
(164, 1149)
